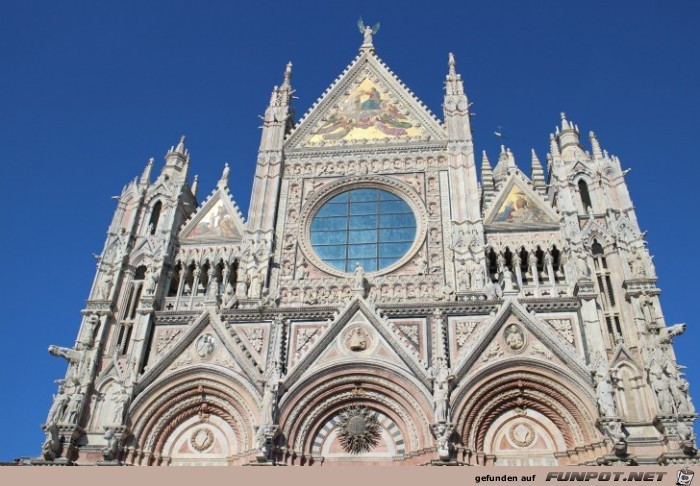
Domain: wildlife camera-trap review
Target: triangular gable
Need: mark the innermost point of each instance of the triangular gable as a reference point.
(218, 219)
(374, 338)
(488, 345)
(229, 354)
(519, 207)
(367, 104)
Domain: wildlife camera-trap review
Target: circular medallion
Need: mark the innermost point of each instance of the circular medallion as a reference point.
(514, 337)
(358, 338)
(522, 434)
(204, 346)
(201, 439)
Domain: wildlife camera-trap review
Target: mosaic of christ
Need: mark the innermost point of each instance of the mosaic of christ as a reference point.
(364, 114)
(519, 208)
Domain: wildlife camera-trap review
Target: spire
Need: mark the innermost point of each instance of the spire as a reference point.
(506, 164)
(223, 182)
(595, 146)
(553, 145)
(195, 185)
(454, 85)
(486, 173)
(537, 174)
(287, 76)
(146, 176)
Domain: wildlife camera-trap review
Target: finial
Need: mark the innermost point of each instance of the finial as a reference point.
(288, 75)
(181, 146)
(195, 185)
(565, 125)
(452, 64)
(503, 149)
(367, 33)
(146, 175)
(535, 159)
(595, 146)
(223, 182)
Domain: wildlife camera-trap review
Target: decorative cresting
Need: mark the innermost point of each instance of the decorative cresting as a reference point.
(164, 406)
(384, 183)
(358, 430)
(309, 405)
(522, 386)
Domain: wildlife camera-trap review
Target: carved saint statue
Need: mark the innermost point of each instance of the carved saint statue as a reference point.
(441, 391)
(603, 392)
(74, 406)
(120, 402)
(359, 277)
(660, 384)
(105, 287)
(58, 408)
(269, 401)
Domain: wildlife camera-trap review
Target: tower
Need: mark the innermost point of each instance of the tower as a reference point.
(377, 304)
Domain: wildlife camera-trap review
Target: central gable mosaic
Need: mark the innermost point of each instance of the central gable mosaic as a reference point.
(366, 113)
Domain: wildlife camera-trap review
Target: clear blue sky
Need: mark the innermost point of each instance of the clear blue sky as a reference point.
(90, 90)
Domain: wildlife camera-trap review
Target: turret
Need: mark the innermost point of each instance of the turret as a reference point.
(177, 162)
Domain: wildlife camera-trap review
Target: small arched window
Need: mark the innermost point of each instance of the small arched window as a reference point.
(585, 195)
(155, 216)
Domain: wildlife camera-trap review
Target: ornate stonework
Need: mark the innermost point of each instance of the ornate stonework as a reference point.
(457, 317)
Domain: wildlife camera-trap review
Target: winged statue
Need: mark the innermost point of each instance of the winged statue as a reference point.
(367, 31)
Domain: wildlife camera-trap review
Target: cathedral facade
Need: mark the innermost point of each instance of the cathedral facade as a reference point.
(382, 304)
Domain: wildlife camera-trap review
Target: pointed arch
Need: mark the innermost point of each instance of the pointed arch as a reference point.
(155, 217)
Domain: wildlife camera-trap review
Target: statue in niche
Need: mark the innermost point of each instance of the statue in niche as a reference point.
(660, 383)
(120, 402)
(74, 406)
(105, 287)
(479, 277)
(228, 298)
(58, 408)
(680, 389)
(421, 266)
(269, 400)
(88, 336)
(441, 391)
(359, 277)
(603, 392)
(302, 271)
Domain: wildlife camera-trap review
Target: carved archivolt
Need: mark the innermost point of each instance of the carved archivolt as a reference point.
(481, 401)
(316, 400)
(390, 184)
(164, 406)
